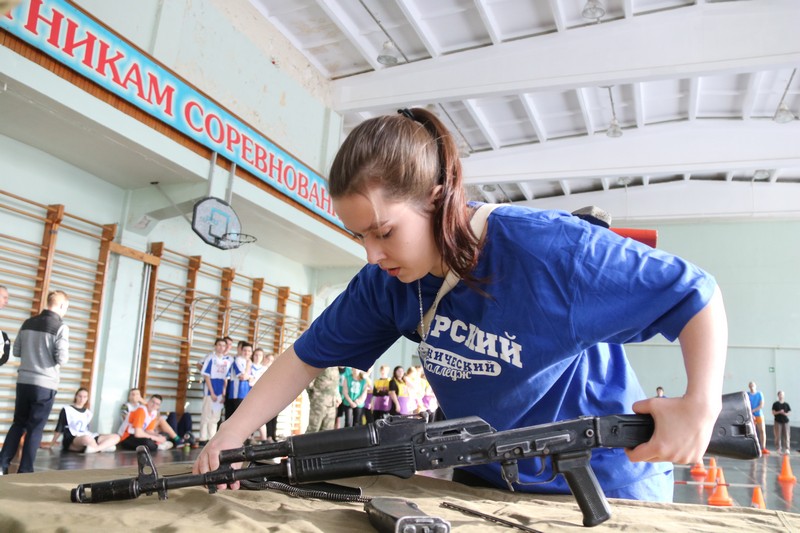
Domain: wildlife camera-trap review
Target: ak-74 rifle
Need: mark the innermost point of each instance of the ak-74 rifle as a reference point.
(402, 446)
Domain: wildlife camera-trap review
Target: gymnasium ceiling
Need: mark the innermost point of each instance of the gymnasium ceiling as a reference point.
(524, 84)
(527, 86)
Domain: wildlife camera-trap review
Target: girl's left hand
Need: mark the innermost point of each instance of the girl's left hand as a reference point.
(683, 428)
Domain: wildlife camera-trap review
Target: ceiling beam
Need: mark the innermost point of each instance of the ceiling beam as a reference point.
(638, 104)
(337, 14)
(488, 20)
(667, 149)
(483, 123)
(753, 84)
(415, 18)
(297, 43)
(580, 94)
(627, 8)
(534, 116)
(711, 39)
(525, 190)
(686, 200)
(693, 102)
(558, 16)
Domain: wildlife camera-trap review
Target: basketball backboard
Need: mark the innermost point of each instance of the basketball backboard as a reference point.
(215, 221)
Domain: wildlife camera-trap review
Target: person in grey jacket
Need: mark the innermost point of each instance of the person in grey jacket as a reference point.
(6, 342)
(42, 345)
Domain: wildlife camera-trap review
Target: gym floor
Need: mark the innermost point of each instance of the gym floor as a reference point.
(741, 476)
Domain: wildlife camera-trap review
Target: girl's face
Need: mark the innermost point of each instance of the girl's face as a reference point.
(398, 237)
(81, 398)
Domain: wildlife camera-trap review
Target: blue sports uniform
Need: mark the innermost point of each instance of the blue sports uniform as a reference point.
(217, 369)
(237, 388)
(535, 351)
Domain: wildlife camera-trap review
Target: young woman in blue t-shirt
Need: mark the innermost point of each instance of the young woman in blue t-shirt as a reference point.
(532, 328)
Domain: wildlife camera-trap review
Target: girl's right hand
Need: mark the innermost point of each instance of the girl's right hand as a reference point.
(208, 459)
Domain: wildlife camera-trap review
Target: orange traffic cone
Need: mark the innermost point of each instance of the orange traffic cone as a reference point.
(786, 471)
(711, 479)
(787, 490)
(698, 470)
(758, 498)
(720, 496)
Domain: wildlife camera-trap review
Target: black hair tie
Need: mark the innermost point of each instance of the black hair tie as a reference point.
(406, 112)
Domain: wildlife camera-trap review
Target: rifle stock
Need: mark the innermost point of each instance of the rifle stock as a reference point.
(732, 436)
(402, 446)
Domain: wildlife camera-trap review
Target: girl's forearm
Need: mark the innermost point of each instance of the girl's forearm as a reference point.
(704, 342)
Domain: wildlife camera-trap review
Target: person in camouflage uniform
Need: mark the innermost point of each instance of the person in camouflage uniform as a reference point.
(324, 397)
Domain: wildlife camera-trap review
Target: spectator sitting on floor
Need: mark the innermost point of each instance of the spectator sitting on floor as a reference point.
(134, 402)
(182, 426)
(145, 428)
(73, 423)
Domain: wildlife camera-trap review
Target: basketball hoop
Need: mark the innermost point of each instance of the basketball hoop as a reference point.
(215, 221)
(229, 241)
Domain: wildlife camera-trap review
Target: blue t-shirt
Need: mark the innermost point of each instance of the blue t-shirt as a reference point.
(755, 400)
(535, 350)
(217, 369)
(238, 388)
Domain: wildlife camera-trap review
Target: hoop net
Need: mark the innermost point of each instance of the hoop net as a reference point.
(230, 241)
(239, 253)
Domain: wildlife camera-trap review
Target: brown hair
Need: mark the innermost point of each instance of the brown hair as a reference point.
(75, 398)
(408, 155)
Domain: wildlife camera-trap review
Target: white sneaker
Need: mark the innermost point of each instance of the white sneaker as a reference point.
(111, 449)
(166, 445)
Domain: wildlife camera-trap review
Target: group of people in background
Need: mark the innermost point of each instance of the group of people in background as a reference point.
(339, 397)
(42, 345)
(345, 396)
(227, 379)
(780, 411)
